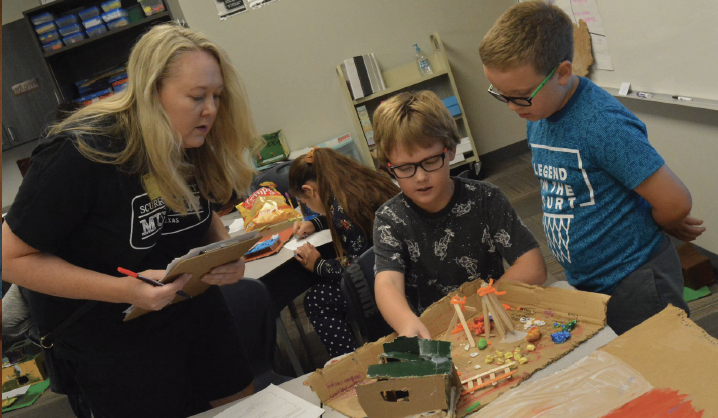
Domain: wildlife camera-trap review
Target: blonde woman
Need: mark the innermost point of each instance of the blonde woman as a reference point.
(130, 182)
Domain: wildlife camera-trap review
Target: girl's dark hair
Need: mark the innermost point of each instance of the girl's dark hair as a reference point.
(359, 190)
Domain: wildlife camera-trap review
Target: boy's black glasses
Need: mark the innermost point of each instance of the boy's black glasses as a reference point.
(521, 101)
(429, 164)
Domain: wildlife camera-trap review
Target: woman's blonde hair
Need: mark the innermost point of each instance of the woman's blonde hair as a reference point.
(143, 140)
(413, 120)
(359, 190)
(531, 32)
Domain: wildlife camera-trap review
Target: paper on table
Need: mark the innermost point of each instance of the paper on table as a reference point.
(316, 239)
(236, 226)
(16, 392)
(272, 402)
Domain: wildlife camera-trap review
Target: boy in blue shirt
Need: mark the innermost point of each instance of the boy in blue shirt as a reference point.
(607, 194)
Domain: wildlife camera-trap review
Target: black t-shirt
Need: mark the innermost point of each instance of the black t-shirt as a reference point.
(465, 241)
(98, 216)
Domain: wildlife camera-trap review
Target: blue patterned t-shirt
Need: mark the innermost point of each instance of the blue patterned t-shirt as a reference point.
(588, 157)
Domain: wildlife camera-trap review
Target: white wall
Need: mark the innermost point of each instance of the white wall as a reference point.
(287, 52)
(687, 138)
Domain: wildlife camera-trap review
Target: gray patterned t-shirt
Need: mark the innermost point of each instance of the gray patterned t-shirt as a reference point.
(465, 241)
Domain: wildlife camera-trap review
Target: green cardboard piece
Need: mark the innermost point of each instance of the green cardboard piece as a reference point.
(690, 294)
(410, 369)
(395, 355)
(30, 396)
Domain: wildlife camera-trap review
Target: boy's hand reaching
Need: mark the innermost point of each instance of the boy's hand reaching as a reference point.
(414, 328)
(303, 229)
(307, 255)
(688, 230)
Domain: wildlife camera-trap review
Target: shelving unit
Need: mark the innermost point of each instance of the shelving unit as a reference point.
(90, 56)
(407, 78)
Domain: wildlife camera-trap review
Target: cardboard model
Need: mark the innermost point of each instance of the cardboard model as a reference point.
(415, 376)
(336, 385)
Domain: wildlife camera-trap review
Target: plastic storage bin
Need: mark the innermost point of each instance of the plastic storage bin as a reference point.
(151, 7)
(93, 21)
(74, 38)
(96, 30)
(42, 18)
(46, 38)
(111, 4)
(114, 24)
(66, 20)
(45, 28)
(70, 29)
(89, 12)
(52, 46)
(114, 14)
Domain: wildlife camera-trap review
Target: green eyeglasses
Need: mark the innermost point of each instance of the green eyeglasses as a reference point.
(521, 101)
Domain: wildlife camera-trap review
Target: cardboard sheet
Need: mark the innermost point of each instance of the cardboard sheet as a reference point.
(336, 384)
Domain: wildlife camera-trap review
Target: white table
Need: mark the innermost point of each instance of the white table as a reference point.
(296, 386)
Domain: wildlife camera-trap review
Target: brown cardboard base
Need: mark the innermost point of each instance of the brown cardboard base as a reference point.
(336, 384)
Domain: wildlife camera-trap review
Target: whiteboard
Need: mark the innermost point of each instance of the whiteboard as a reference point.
(661, 46)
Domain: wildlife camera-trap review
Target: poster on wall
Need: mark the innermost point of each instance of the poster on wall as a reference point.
(229, 8)
(587, 10)
(256, 4)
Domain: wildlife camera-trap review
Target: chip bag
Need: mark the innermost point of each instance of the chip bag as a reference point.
(265, 207)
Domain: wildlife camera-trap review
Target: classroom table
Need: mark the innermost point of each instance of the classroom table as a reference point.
(297, 387)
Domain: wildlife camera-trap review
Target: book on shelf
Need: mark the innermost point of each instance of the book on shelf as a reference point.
(366, 124)
(363, 76)
(352, 76)
(382, 86)
(371, 70)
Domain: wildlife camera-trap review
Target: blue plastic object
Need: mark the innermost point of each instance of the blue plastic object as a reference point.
(42, 18)
(46, 38)
(93, 21)
(560, 337)
(114, 24)
(66, 20)
(74, 38)
(114, 14)
(89, 12)
(96, 30)
(45, 28)
(71, 29)
(52, 46)
(111, 4)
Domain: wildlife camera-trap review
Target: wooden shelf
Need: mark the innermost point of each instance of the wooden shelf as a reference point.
(399, 86)
(404, 78)
(668, 99)
(110, 33)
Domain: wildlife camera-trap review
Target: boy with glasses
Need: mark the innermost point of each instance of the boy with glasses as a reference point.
(439, 232)
(607, 194)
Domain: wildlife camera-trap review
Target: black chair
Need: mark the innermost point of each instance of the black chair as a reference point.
(358, 290)
(253, 311)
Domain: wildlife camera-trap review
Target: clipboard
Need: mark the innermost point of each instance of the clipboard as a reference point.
(199, 261)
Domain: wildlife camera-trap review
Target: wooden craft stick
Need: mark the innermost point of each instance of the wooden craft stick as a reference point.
(472, 343)
(452, 324)
(490, 382)
(487, 321)
(501, 315)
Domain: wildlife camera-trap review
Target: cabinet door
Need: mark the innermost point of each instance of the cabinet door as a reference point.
(24, 116)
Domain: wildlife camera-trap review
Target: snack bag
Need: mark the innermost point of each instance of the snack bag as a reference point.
(265, 207)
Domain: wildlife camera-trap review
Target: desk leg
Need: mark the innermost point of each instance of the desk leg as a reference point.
(284, 337)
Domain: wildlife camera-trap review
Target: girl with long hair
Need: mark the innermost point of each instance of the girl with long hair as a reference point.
(130, 182)
(347, 194)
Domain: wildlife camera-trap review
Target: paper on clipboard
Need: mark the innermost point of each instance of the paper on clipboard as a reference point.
(199, 261)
